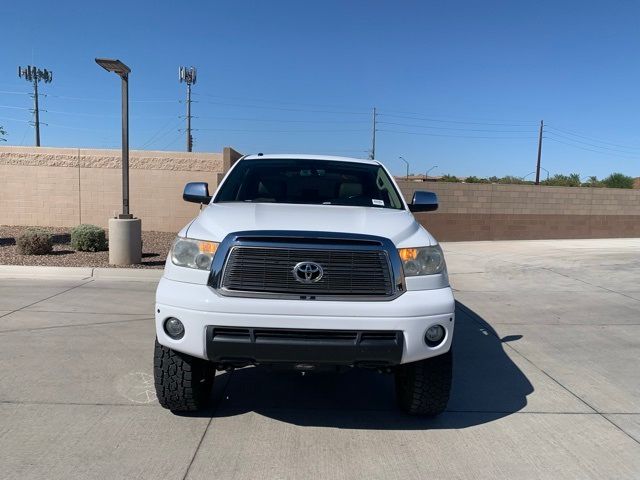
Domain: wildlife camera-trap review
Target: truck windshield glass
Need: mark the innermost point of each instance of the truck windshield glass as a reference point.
(311, 182)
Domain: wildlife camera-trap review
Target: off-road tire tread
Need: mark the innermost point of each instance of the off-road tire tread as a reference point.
(422, 388)
(183, 382)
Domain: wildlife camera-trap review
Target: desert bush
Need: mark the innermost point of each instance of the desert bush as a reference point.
(88, 238)
(618, 180)
(560, 180)
(449, 178)
(35, 241)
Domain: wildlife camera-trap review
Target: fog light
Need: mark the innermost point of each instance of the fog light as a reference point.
(434, 335)
(174, 328)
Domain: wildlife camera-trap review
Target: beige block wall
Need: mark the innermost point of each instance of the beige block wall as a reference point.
(68, 186)
(527, 199)
(494, 212)
(65, 186)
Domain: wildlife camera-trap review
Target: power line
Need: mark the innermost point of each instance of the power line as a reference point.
(455, 136)
(108, 100)
(246, 119)
(436, 120)
(278, 131)
(161, 131)
(590, 144)
(279, 102)
(172, 141)
(282, 108)
(593, 138)
(14, 107)
(14, 120)
(68, 127)
(591, 150)
(453, 128)
(158, 117)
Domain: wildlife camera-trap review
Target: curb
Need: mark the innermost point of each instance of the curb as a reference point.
(80, 273)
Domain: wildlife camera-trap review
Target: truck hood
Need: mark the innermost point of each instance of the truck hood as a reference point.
(219, 219)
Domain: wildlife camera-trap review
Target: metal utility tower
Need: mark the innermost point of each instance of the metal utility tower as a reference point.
(35, 75)
(188, 76)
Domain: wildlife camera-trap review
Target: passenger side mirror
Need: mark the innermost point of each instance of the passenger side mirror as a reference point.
(196, 192)
(424, 202)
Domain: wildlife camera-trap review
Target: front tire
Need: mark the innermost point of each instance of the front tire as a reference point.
(422, 388)
(183, 383)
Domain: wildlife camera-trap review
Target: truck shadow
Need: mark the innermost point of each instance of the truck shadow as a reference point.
(487, 386)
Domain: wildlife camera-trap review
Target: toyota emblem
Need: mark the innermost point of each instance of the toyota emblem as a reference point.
(307, 272)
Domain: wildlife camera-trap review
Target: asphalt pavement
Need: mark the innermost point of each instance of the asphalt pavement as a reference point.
(546, 383)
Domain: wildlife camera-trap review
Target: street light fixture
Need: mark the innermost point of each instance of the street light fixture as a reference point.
(125, 232)
(123, 71)
(402, 158)
(426, 175)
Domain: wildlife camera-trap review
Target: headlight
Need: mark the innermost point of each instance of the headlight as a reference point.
(422, 260)
(193, 253)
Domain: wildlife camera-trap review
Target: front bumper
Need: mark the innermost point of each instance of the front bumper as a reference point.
(247, 346)
(200, 307)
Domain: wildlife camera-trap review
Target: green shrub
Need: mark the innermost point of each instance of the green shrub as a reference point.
(560, 180)
(449, 178)
(618, 180)
(88, 238)
(35, 241)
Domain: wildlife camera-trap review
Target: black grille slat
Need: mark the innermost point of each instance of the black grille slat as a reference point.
(346, 272)
(310, 335)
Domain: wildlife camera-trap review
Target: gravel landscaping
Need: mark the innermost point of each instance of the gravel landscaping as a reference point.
(155, 246)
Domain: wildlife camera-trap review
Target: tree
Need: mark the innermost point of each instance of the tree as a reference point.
(560, 180)
(618, 180)
(511, 180)
(2, 134)
(592, 181)
(474, 179)
(449, 178)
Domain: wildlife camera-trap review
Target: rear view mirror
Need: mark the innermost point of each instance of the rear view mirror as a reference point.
(196, 192)
(424, 202)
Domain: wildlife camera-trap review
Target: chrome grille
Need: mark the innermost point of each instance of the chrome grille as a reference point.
(347, 272)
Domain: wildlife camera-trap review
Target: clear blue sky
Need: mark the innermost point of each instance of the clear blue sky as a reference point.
(301, 76)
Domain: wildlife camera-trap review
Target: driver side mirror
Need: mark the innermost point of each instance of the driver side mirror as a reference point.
(424, 202)
(196, 192)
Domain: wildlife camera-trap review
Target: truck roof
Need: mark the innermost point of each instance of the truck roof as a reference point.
(285, 156)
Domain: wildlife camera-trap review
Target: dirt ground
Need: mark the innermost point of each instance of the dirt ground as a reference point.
(155, 246)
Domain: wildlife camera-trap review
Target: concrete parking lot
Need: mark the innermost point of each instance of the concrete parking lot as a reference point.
(546, 384)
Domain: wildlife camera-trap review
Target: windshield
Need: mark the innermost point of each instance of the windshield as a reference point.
(311, 182)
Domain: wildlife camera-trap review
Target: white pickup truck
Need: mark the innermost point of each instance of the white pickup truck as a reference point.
(307, 262)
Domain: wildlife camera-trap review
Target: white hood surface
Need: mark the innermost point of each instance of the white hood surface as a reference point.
(219, 219)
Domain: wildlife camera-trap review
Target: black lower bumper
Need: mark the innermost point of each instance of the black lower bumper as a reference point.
(243, 346)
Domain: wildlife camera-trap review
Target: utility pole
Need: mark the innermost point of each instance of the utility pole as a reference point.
(373, 143)
(539, 152)
(188, 76)
(35, 75)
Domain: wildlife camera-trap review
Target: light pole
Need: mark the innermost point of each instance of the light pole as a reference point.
(426, 175)
(402, 158)
(125, 235)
